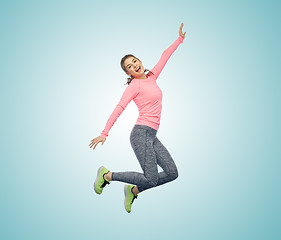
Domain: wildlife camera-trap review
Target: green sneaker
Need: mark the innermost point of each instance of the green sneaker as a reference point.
(100, 182)
(129, 197)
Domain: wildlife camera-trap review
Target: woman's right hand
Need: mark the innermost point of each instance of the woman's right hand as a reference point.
(180, 31)
(97, 140)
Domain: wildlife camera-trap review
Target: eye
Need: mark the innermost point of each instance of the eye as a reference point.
(129, 67)
(135, 60)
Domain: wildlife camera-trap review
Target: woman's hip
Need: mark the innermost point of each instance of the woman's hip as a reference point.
(142, 134)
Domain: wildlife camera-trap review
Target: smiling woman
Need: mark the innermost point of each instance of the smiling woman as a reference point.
(133, 67)
(150, 152)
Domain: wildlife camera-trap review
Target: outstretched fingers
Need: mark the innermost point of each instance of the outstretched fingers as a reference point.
(180, 31)
(96, 141)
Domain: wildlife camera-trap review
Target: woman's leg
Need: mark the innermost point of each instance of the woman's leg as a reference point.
(166, 162)
(142, 139)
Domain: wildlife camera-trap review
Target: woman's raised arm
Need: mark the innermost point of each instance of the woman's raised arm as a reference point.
(157, 69)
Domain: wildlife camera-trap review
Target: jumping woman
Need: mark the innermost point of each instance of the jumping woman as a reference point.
(150, 152)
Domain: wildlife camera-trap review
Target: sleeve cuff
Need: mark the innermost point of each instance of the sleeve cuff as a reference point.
(180, 38)
(104, 136)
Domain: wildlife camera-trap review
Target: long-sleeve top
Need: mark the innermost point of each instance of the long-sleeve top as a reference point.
(146, 94)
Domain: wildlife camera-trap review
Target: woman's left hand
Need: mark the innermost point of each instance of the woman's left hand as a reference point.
(180, 31)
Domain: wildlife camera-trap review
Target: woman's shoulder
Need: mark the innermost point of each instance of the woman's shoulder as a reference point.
(134, 85)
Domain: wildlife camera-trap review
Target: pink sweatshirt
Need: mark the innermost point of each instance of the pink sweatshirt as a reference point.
(146, 94)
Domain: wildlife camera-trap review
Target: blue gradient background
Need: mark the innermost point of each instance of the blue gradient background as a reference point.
(61, 79)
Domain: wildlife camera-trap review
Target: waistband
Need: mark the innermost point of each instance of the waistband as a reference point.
(144, 127)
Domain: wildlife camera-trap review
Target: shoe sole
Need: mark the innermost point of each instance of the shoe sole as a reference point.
(125, 192)
(95, 183)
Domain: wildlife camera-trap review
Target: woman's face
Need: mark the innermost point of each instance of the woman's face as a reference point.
(134, 67)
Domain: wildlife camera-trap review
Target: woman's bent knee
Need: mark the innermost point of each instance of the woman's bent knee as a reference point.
(174, 174)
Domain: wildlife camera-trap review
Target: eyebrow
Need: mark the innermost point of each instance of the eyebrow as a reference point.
(130, 63)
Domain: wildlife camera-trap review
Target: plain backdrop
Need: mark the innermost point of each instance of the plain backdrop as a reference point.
(61, 79)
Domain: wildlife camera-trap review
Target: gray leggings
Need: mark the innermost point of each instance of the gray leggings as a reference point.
(149, 152)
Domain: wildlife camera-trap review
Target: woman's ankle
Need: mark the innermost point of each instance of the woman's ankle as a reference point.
(135, 190)
(108, 176)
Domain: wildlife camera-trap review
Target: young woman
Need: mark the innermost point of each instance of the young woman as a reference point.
(144, 91)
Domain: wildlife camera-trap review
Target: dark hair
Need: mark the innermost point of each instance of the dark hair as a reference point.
(123, 67)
